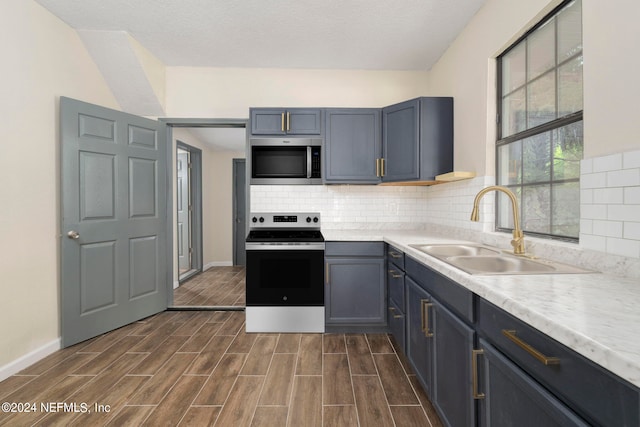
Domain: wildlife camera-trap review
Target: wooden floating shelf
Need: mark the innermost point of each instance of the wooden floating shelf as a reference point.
(440, 179)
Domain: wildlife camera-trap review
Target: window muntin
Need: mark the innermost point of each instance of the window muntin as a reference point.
(540, 133)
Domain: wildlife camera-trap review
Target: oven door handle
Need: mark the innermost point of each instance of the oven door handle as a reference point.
(284, 247)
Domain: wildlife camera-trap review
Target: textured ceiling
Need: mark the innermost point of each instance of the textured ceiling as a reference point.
(325, 34)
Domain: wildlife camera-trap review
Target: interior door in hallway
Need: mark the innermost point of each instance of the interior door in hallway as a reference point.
(114, 219)
(184, 212)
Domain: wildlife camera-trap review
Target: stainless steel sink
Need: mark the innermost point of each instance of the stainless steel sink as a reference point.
(455, 250)
(482, 260)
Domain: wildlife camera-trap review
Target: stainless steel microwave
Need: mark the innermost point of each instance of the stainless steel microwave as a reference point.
(286, 161)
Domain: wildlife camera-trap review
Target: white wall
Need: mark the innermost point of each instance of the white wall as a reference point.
(42, 59)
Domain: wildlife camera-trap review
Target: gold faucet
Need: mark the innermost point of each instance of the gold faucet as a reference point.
(518, 235)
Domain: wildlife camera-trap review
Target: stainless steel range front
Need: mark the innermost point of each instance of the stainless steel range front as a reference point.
(285, 276)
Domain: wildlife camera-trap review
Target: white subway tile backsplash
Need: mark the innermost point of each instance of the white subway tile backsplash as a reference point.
(623, 178)
(610, 204)
(608, 163)
(631, 159)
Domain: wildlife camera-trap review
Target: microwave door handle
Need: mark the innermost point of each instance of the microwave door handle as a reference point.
(308, 161)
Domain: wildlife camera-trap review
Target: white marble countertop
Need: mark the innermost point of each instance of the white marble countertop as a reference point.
(597, 315)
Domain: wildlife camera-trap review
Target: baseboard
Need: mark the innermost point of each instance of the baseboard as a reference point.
(29, 359)
(218, 264)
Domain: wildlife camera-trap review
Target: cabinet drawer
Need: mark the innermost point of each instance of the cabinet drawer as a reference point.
(396, 256)
(396, 322)
(455, 297)
(395, 284)
(596, 394)
(375, 249)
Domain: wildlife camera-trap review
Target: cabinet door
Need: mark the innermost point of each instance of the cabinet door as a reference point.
(265, 121)
(355, 291)
(401, 136)
(419, 333)
(453, 342)
(280, 121)
(397, 325)
(352, 146)
(512, 398)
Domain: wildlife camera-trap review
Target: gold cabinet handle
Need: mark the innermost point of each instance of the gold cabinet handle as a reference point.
(288, 121)
(393, 254)
(327, 272)
(545, 360)
(377, 167)
(382, 172)
(425, 304)
(395, 316)
(282, 122)
(474, 373)
(394, 275)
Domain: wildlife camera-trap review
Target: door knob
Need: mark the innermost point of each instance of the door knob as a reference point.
(73, 235)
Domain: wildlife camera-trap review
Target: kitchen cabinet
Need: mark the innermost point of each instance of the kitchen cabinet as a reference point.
(595, 394)
(511, 398)
(443, 311)
(352, 146)
(281, 121)
(355, 291)
(417, 139)
(396, 295)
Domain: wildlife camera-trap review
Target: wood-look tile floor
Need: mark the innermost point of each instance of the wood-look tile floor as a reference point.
(217, 286)
(200, 368)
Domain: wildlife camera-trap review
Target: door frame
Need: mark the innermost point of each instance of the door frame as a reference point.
(236, 163)
(195, 191)
(170, 123)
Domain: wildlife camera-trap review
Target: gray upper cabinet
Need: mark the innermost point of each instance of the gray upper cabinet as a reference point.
(417, 139)
(282, 121)
(352, 146)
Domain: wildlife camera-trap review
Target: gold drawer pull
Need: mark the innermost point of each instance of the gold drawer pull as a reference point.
(394, 254)
(425, 304)
(282, 122)
(474, 373)
(395, 316)
(546, 360)
(394, 275)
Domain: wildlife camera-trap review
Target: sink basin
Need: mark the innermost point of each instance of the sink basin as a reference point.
(500, 265)
(441, 251)
(482, 260)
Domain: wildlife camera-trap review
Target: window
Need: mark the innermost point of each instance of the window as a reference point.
(539, 145)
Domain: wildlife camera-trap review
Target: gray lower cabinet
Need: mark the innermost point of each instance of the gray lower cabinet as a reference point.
(396, 296)
(419, 334)
(417, 139)
(355, 292)
(352, 146)
(440, 343)
(282, 121)
(512, 398)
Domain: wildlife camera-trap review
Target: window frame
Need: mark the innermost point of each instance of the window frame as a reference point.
(555, 124)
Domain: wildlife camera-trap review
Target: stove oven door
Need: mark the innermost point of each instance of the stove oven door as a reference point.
(285, 277)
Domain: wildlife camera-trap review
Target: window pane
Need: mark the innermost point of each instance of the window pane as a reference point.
(513, 113)
(536, 210)
(536, 158)
(541, 97)
(570, 87)
(513, 69)
(567, 151)
(541, 50)
(505, 212)
(510, 164)
(569, 31)
(566, 209)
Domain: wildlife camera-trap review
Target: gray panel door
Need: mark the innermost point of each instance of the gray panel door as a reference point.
(114, 221)
(184, 222)
(239, 208)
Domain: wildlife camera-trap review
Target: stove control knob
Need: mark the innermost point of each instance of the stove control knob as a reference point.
(254, 219)
(261, 219)
(308, 219)
(315, 219)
